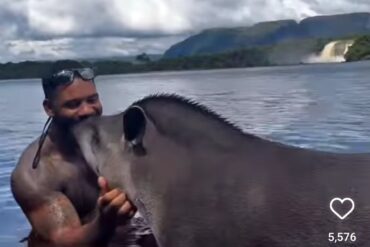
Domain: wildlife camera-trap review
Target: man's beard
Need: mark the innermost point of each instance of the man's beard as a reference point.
(62, 129)
(67, 123)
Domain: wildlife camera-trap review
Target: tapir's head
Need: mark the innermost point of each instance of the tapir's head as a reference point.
(144, 151)
(110, 145)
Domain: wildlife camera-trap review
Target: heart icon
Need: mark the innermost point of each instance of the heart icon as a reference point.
(342, 201)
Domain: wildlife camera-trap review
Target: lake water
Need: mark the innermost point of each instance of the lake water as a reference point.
(325, 107)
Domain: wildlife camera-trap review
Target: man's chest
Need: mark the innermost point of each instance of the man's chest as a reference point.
(79, 184)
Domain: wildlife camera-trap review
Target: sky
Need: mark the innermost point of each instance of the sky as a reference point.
(55, 29)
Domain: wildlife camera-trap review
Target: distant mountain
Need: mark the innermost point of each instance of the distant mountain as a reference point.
(219, 40)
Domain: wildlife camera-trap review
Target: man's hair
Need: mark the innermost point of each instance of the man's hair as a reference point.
(50, 88)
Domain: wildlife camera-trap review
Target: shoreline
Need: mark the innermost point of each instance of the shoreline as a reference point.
(203, 70)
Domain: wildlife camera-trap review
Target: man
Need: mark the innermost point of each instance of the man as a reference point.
(65, 202)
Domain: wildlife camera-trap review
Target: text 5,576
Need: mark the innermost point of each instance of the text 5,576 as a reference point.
(337, 237)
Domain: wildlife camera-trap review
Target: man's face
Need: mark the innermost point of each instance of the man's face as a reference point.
(75, 102)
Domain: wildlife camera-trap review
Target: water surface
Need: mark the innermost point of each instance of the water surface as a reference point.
(324, 107)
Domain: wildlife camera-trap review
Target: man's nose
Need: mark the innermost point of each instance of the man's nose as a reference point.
(86, 110)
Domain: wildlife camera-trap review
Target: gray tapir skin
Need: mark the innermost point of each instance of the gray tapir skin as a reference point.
(200, 181)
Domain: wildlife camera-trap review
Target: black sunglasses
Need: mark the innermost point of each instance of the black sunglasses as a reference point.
(67, 75)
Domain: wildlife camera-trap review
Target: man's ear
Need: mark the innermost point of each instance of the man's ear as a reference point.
(134, 123)
(48, 107)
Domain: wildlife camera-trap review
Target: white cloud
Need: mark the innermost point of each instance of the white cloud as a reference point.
(151, 15)
(45, 29)
(47, 18)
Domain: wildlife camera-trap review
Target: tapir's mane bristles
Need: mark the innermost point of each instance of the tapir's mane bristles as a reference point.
(186, 102)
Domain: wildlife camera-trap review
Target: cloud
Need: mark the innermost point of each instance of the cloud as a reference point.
(12, 18)
(340, 6)
(105, 18)
(50, 29)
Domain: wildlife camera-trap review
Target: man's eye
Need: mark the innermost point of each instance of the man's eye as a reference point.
(72, 104)
(93, 99)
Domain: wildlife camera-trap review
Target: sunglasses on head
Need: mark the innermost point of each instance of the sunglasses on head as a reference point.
(60, 78)
(68, 75)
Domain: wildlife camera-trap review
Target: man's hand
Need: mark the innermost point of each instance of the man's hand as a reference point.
(113, 204)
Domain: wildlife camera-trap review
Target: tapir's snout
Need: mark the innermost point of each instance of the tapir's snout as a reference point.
(98, 137)
(108, 143)
(85, 135)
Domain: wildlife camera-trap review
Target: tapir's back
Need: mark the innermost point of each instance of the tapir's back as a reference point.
(223, 187)
(254, 193)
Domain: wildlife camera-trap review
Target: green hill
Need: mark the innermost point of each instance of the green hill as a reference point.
(360, 50)
(218, 40)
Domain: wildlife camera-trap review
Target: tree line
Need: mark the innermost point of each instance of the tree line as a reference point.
(240, 58)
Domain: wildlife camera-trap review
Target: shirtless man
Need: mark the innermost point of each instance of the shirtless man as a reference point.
(65, 202)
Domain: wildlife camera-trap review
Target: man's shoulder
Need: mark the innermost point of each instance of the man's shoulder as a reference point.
(27, 180)
(30, 150)
(23, 171)
(26, 157)
(47, 173)
(31, 187)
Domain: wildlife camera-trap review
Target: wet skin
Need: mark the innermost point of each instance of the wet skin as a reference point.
(63, 199)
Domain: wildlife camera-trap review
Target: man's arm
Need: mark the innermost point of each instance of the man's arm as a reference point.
(55, 219)
(53, 216)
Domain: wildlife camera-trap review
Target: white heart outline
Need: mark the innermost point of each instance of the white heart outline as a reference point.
(342, 201)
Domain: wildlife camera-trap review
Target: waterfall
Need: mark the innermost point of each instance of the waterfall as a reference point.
(333, 52)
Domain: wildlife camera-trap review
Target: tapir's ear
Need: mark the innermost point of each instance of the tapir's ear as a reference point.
(134, 123)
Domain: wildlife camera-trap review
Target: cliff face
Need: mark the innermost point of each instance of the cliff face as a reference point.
(336, 26)
(271, 33)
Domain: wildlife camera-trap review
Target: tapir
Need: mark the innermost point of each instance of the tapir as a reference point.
(200, 181)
